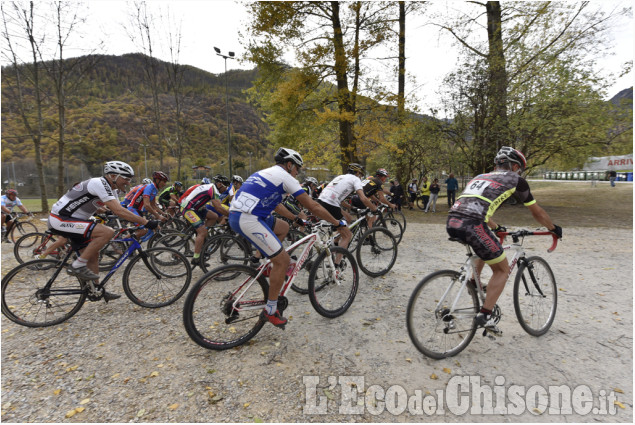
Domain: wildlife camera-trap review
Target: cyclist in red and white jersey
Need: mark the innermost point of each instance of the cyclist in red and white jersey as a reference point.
(470, 221)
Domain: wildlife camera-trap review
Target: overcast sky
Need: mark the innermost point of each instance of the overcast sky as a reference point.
(217, 23)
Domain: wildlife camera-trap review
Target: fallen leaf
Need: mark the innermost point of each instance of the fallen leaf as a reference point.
(161, 365)
(57, 391)
(246, 405)
(328, 394)
(617, 403)
(409, 360)
(618, 390)
(433, 376)
(154, 374)
(85, 401)
(446, 370)
(563, 290)
(538, 411)
(357, 353)
(141, 412)
(80, 409)
(70, 413)
(173, 406)
(116, 375)
(257, 420)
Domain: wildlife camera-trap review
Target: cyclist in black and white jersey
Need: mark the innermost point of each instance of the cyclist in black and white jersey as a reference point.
(470, 221)
(70, 217)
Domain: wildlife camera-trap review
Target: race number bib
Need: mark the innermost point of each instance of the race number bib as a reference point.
(246, 202)
(476, 187)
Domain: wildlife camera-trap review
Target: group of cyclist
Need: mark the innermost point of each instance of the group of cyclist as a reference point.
(248, 207)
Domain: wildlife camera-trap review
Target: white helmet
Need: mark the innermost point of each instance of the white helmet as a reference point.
(284, 154)
(146, 181)
(311, 180)
(237, 178)
(118, 167)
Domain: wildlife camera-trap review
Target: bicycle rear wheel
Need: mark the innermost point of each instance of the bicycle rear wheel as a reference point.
(182, 242)
(27, 302)
(157, 277)
(377, 252)
(223, 249)
(110, 254)
(437, 330)
(222, 310)
(399, 216)
(393, 226)
(535, 296)
(332, 291)
(21, 228)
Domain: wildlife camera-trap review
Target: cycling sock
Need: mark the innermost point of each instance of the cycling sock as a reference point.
(197, 254)
(271, 307)
(80, 262)
(486, 311)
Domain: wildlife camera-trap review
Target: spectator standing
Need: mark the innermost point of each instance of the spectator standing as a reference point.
(396, 190)
(452, 187)
(425, 192)
(434, 195)
(612, 177)
(412, 192)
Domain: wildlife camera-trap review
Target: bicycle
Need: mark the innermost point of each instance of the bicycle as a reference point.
(19, 227)
(40, 293)
(442, 307)
(222, 310)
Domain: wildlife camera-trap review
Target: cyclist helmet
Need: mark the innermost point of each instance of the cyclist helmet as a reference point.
(283, 155)
(160, 175)
(205, 180)
(179, 184)
(219, 178)
(119, 168)
(237, 178)
(311, 180)
(146, 181)
(11, 192)
(507, 154)
(354, 167)
(381, 172)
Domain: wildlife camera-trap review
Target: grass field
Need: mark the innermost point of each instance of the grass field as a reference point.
(568, 204)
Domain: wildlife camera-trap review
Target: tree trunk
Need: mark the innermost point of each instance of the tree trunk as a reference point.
(347, 141)
(498, 131)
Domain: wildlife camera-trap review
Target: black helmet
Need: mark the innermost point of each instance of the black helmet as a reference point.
(507, 154)
(284, 154)
(354, 167)
(221, 179)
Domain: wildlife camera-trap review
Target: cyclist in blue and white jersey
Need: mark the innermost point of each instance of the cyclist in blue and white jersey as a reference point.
(10, 200)
(250, 215)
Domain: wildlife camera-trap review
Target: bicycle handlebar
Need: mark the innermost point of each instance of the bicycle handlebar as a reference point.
(522, 233)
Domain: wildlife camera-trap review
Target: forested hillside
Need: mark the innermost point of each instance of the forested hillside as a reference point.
(110, 115)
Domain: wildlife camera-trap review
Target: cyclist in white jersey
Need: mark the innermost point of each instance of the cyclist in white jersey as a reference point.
(70, 217)
(250, 215)
(337, 190)
(10, 200)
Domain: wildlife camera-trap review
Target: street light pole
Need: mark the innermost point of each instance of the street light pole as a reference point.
(229, 143)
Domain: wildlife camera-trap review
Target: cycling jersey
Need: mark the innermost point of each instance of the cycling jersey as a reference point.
(131, 193)
(166, 195)
(372, 185)
(8, 203)
(262, 191)
(338, 189)
(84, 199)
(486, 192)
(149, 190)
(186, 194)
(200, 196)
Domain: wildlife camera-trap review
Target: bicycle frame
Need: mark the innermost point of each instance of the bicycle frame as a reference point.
(468, 269)
(320, 237)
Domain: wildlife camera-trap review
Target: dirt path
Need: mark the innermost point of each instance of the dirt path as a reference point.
(121, 363)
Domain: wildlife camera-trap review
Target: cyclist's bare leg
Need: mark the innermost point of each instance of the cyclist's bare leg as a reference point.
(496, 284)
(280, 263)
(100, 237)
(57, 244)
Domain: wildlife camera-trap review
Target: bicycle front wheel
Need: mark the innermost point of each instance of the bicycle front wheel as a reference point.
(377, 252)
(157, 277)
(28, 302)
(393, 226)
(21, 228)
(30, 245)
(535, 296)
(399, 216)
(436, 328)
(331, 290)
(222, 310)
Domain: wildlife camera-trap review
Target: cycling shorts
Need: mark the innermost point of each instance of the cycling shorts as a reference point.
(478, 235)
(195, 217)
(258, 231)
(77, 230)
(336, 212)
